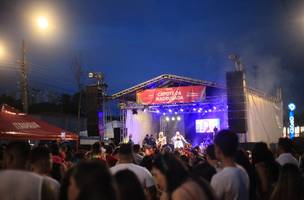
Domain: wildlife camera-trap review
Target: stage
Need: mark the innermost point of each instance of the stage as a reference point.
(196, 109)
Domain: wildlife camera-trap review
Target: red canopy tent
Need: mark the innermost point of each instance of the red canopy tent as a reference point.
(17, 125)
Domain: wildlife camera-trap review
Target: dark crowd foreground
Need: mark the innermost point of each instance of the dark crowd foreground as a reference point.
(130, 172)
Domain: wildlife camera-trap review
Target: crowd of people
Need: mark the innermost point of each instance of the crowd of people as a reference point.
(222, 171)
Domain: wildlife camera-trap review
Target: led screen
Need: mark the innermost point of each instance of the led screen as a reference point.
(206, 125)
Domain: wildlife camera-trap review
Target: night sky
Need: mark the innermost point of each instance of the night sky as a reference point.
(131, 41)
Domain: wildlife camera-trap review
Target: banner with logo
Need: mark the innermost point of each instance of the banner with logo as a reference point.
(185, 94)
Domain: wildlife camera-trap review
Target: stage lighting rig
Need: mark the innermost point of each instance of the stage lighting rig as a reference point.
(97, 76)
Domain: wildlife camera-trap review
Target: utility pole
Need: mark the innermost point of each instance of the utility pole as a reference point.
(24, 79)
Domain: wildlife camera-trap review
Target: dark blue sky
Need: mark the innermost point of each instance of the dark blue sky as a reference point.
(131, 41)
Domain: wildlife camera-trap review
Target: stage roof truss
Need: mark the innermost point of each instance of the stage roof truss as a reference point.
(168, 80)
(210, 104)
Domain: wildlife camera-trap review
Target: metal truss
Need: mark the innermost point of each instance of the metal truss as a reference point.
(168, 77)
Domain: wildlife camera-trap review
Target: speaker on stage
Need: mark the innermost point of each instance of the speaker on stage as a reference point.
(236, 101)
(94, 110)
(117, 136)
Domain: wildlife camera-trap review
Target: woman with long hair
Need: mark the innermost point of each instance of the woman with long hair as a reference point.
(174, 181)
(290, 184)
(266, 170)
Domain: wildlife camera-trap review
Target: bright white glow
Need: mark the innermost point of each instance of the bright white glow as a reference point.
(175, 113)
(178, 118)
(194, 109)
(164, 113)
(1, 51)
(157, 111)
(182, 110)
(291, 106)
(173, 118)
(167, 119)
(42, 22)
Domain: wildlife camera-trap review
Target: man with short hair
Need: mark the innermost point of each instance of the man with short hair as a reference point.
(232, 181)
(284, 152)
(16, 155)
(18, 184)
(125, 161)
(40, 162)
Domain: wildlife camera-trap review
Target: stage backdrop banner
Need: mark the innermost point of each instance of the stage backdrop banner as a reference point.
(185, 94)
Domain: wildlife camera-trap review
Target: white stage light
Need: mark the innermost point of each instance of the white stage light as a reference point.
(167, 119)
(178, 118)
(173, 118)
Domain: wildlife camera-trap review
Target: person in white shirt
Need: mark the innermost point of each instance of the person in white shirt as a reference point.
(178, 140)
(40, 162)
(17, 183)
(232, 182)
(125, 161)
(284, 152)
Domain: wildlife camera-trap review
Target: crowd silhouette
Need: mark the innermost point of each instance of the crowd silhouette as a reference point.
(128, 171)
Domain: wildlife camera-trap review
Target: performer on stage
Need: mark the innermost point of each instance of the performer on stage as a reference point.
(178, 140)
(161, 140)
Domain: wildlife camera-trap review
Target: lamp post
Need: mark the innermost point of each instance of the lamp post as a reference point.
(42, 24)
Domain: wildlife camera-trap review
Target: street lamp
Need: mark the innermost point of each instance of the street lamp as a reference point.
(43, 24)
(1, 51)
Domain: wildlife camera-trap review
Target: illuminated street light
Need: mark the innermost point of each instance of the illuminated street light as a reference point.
(42, 22)
(2, 51)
